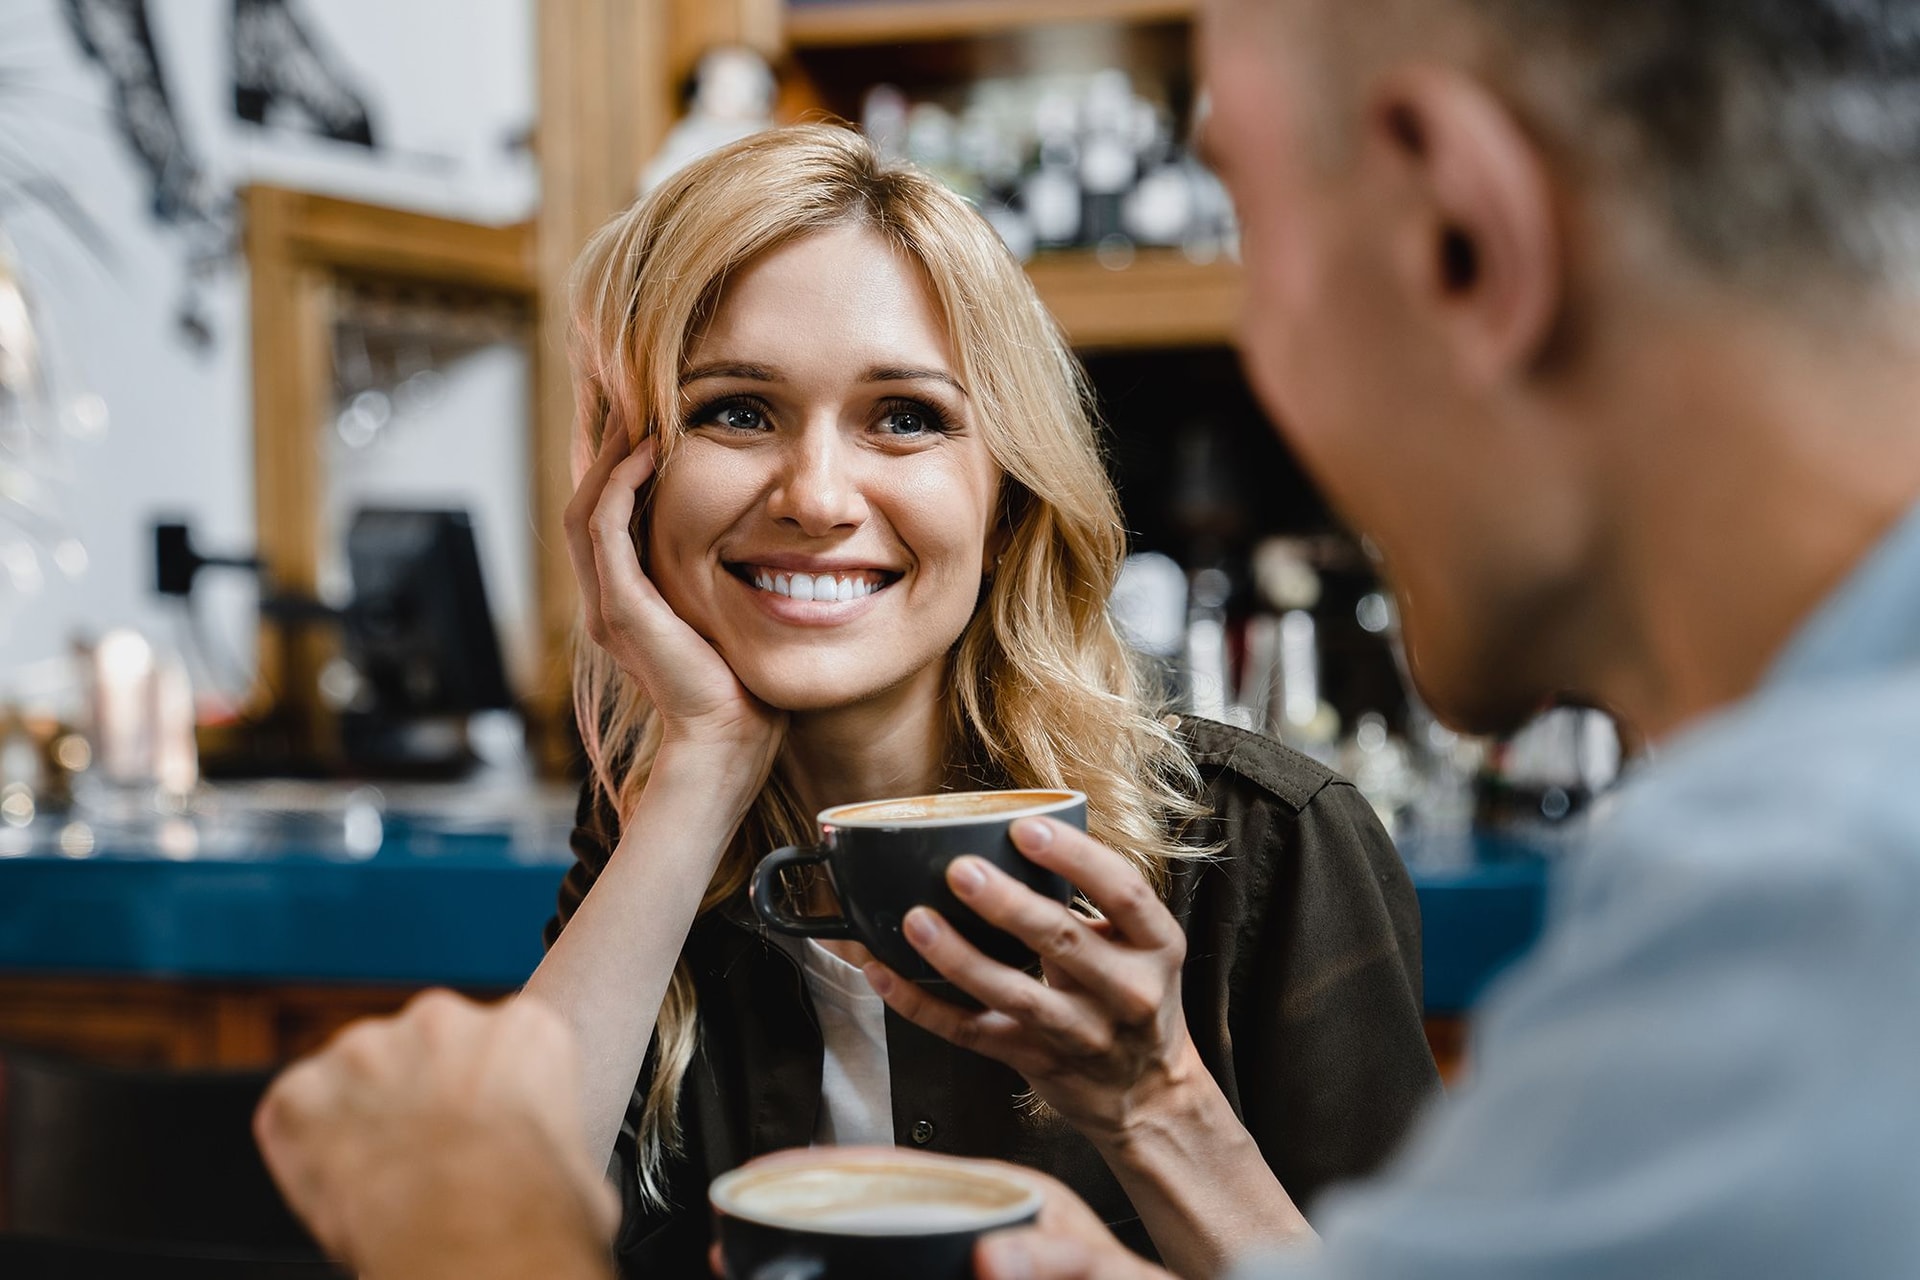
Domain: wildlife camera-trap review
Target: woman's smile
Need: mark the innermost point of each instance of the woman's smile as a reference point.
(821, 597)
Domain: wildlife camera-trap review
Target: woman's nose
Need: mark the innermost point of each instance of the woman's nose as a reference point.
(817, 488)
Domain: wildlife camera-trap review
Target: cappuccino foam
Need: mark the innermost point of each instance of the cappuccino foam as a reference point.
(859, 1198)
(945, 807)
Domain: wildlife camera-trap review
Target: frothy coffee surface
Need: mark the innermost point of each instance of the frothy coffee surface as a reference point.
(949, 805)
(877, 1199)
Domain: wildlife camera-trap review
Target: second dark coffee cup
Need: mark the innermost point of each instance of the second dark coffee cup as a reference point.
(885, 857)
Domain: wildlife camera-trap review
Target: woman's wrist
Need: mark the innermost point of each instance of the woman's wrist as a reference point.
(1185, 1130)
(1202, 1185)
(1180, 1102)
(721, 777)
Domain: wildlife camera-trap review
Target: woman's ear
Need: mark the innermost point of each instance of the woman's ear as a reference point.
(990, 559)
(999, 538)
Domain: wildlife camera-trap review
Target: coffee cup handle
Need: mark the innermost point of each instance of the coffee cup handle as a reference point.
(766, 896)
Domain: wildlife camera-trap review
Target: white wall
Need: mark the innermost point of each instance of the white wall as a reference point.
(451, 86)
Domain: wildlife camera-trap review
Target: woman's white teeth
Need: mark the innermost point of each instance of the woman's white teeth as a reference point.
(815, 586)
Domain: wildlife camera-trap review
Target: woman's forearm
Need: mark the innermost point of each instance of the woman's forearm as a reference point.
(608, 971)
(1204, 1191)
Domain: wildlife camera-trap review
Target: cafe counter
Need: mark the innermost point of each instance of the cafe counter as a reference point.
(246, 931)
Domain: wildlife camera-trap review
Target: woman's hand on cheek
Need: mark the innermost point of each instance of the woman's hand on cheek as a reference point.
(1104, 1039)
(701, 702)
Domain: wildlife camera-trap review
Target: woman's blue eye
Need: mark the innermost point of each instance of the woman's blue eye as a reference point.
(912, 419)
(737, 417)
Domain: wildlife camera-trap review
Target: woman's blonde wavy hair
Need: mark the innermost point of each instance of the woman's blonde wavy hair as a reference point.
(1041, 691)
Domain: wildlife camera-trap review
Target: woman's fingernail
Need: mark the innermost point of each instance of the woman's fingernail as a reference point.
(966, 874)
(879, 979)
(919, 926)
(1033, 834)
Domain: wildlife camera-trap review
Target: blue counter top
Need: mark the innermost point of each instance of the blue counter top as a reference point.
(283, 883)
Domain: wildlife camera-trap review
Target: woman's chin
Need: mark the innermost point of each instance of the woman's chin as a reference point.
(847, 683)
(799, 695)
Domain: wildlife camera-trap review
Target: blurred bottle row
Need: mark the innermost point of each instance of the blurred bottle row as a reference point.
(1060, 162)
(1271, 669)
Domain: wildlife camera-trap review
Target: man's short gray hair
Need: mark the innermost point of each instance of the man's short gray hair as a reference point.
(1779, 135)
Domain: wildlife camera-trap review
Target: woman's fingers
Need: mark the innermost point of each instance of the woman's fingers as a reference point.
(1128, 982)
(579, 515)
(982, 1031)
(614, 446)
(1052, 1013)
(616, 559)
(1108, 880)
(617, 595)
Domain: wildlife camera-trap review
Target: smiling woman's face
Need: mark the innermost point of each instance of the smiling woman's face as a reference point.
(824, 521)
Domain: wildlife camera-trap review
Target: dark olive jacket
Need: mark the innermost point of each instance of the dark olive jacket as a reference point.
(1301, 987)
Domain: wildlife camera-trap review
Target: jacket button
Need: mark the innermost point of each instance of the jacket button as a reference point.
(922, 1132)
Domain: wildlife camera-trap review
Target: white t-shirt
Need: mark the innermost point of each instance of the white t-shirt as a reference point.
(856, 1093)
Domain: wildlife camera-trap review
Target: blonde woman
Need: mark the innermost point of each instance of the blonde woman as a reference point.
(843, 532)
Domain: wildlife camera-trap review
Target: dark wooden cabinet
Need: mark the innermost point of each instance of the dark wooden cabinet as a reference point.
(138, 1022)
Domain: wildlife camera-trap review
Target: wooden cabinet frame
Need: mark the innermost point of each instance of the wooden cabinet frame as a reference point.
(300, 249)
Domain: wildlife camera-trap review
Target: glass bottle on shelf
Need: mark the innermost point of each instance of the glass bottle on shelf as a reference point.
(1051, 188)
(1108, 164)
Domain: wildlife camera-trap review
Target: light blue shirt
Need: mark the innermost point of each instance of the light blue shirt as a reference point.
(1710, 1065)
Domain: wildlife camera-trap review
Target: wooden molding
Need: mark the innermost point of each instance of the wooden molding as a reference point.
(1159, 300)
(606, 102)
(337, 235)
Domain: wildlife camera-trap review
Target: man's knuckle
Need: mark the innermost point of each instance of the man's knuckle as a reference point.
(534, 1021)
(437, 1006)
(361, 1048)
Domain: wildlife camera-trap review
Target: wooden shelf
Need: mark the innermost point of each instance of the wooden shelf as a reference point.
(881, 22)
(1161, 300)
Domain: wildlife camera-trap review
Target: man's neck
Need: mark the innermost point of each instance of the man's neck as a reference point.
(1771, 462)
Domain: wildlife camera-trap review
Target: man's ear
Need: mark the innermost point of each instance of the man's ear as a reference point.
(1482, 248)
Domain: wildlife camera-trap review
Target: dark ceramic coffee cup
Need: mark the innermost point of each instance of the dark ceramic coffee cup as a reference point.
(885, 857)
(826, 1214)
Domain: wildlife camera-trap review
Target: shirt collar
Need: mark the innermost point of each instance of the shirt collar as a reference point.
(1872, 622)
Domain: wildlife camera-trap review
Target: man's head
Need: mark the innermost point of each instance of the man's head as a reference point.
(1484, 240)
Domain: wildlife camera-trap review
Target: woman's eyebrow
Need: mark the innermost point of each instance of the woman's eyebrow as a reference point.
(732, 369)
(746, 371)
(884, 373)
